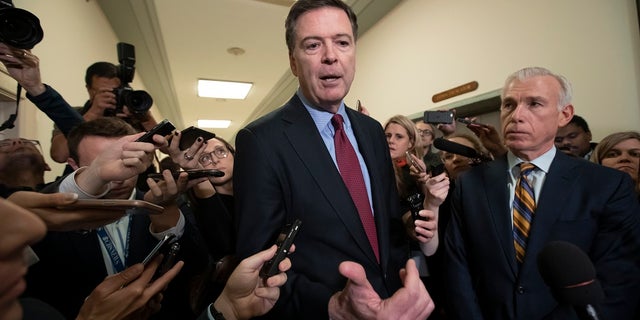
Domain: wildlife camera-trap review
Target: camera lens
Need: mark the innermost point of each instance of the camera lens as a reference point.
(19, 28)
(138, 101)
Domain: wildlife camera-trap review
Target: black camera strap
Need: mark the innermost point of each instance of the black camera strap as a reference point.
(9, 123)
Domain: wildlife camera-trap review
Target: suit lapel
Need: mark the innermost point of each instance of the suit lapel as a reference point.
(557, 185)
(497, 191)
(307, 143)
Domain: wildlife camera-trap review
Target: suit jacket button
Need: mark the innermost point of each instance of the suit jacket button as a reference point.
(520, 290)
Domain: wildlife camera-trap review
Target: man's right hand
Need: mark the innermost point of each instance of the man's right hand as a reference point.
(358, 300)
(103, 100)
(23, 66)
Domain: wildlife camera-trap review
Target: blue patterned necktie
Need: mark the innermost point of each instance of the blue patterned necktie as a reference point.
(524, 206)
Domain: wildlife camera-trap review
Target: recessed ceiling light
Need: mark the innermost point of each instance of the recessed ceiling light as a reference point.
(223, 89)
(214, 123)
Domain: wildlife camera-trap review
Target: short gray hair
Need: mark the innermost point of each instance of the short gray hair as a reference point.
(565, 93)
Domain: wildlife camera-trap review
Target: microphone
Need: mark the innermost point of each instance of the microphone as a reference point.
(572, 277)
(460, 149)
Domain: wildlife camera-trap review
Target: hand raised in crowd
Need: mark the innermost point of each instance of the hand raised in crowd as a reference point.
(23, 66)
(129, 294)
(435, 190)
(103, 99)
(47, 207)
(165, 193)
(124, 159)
(358, 300)
(246, 295)
(489, 137)
(188, 158)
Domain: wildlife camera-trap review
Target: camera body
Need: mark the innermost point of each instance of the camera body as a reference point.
(19, 28)
(137, 101)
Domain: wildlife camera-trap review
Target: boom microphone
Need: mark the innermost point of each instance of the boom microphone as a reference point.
(460, 149)
(572, 277)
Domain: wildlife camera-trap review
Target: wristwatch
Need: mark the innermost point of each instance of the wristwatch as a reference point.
(215, 313)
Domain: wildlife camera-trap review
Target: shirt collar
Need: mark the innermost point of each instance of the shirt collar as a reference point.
(542, 162)
(322, 118)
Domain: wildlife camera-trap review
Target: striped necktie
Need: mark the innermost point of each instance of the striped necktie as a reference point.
(524, 206)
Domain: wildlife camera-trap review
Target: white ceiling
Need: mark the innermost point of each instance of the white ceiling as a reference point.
(179, 42)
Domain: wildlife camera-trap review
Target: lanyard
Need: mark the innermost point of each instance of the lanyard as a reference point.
(116, 261)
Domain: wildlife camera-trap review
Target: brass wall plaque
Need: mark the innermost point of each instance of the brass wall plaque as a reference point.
(467, 87)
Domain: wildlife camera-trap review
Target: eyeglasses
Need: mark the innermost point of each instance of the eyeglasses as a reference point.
(6, 144)
(207, 158)
(425, 132)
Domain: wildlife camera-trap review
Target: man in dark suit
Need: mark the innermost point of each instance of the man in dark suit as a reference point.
(286, 169)
(588, 205)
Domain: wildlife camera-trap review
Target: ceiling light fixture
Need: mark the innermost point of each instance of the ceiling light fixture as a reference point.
(223, 89)
(214, 123)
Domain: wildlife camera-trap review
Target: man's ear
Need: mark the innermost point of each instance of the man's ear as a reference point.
(292, 65)
(73, 163)
(565, 115)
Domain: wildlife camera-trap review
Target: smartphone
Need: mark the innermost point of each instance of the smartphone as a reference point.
(359, 106)
(413, 163)
(114, 204)
(165, 127)
(436, 117)
(436, 170)
(161, 247)
(169, 260)
(284, 242)
(189, 135)
(416, 204)
(192, 174)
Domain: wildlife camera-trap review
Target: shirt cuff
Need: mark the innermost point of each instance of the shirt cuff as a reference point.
(69, 185)
(178, 229)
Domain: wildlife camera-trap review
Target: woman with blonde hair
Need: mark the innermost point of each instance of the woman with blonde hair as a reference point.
(620, 151)
(411, 179)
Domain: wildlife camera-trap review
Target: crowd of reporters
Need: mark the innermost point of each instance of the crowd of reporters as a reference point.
(87, 262)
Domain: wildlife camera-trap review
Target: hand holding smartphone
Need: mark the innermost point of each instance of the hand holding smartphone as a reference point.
(161, 247)
(189, 135)
(469, 122)
(284, 242)
(191, 174)
(413, 162)
(164, 128)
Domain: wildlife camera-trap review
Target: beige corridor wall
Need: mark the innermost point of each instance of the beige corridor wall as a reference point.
(426, 46)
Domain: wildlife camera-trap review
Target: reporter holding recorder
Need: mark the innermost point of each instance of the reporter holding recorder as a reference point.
(125, 294)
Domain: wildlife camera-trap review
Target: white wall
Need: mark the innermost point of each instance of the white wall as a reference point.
(76, 34)
(427, 46)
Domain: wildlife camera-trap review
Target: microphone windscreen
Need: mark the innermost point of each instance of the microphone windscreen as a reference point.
(453, 147)
(570, 273)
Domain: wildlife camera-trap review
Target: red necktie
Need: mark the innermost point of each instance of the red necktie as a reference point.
(352, 176)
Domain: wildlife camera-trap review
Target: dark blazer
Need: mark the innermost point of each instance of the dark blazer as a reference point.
(71, 266)
(580, 202)
(283, 171)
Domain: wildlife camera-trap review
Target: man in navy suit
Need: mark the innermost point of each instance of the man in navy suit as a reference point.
(286, 169)
(588, 205)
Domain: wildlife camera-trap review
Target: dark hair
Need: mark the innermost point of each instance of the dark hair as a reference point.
(100, 69)
(109, 127)
(303, 6)
(227, 145)
(580, 122)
